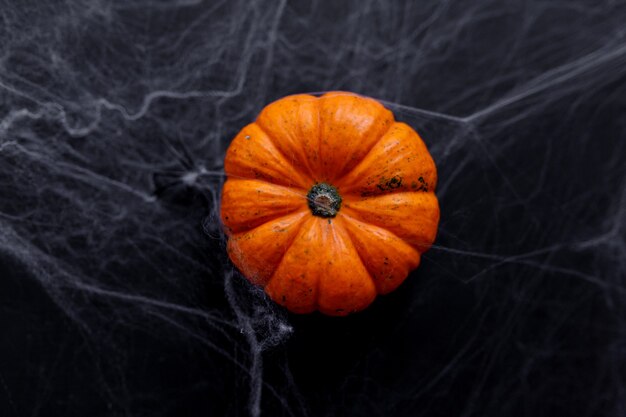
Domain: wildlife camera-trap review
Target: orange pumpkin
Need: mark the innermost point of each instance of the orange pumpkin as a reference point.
(328, 202)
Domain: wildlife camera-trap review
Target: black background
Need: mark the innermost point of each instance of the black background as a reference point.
(116, 298)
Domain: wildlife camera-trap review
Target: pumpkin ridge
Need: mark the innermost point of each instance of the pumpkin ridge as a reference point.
(359, 296)
(319, 139)
(271, 219)
(358, 219)
(287, 248)
(307, 173)
(358, 252)
(352, 213)
(351, 195)
(382, 135)
(402, 255)
(297, 224)
(234, 161)
(267, 181)
(399, 162)
(313, 172)
(271, 216)
(330, 103)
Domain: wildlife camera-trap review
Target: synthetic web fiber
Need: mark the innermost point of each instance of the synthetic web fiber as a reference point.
(117, 298)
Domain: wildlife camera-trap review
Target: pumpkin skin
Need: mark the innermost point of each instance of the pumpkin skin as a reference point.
(387, 217)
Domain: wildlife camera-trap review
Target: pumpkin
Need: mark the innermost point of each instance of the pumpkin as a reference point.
(328, 202)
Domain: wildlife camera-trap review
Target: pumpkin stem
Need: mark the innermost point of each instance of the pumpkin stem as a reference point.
(324, 200)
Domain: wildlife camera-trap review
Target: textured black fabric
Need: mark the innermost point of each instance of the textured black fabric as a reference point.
(116, 295)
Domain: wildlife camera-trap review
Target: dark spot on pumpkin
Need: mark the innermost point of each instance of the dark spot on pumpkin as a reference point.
(395, 182)
(423, 186)
(284, 298)
(387, 184)
(248, 137)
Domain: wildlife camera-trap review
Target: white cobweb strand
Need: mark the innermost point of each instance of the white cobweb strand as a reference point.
(280, 330)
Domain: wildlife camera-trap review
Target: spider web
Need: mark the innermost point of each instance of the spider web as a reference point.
(117, 295)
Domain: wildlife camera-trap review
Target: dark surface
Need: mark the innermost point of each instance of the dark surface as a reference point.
(116, 298)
